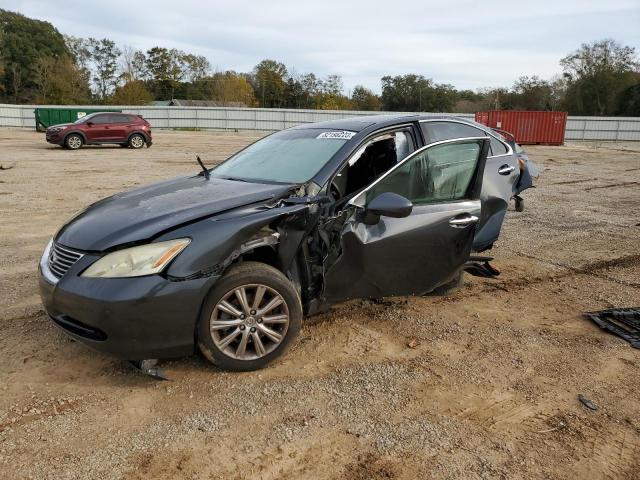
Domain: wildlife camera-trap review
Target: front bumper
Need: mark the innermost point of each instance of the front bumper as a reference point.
(56, 138)
(132, 318)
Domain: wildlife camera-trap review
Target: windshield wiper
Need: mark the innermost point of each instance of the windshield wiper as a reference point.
(205, 171)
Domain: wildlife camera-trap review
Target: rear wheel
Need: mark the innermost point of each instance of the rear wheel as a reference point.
(136, 141)
(73, 141)
(249, 318)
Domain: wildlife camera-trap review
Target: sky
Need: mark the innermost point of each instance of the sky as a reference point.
(469, 44)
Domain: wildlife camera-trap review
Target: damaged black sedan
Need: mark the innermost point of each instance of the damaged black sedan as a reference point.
(230, 260)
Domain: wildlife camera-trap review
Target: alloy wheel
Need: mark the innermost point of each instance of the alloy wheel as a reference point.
(137, 141)
(249, 322)
(74, 142)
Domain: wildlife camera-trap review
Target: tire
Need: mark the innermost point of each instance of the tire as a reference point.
(449, 287)
(73, 141)
(223, 346)
(136, 141)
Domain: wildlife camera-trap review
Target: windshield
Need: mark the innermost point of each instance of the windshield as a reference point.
(289, 156)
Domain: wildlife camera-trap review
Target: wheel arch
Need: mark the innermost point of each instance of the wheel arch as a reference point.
(77, 132)
(138, 132)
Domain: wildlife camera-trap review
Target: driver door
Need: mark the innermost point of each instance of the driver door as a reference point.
(417, 253)
(98, 128)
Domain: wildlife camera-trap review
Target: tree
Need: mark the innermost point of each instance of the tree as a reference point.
(269, 81)
(81, 56)
(328, 94)
(596, 74)
(23, 41)
(302, 91)
(197, 66)
(132, 64)
(167, 67)
(532, 93)
(416, 93)
(364, 99)
(133, 92)
(232, 87)
(629, 103)
(79, 49)
(104, 55)
(60, 82)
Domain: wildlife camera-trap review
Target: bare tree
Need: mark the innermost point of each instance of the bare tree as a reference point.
(132, 64)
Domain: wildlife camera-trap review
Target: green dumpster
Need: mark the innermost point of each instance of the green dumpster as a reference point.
(46, 117)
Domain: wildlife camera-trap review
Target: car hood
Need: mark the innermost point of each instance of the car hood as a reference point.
(143, 213)
(61, 125)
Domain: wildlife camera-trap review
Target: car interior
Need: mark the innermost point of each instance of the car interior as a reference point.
(373, 160)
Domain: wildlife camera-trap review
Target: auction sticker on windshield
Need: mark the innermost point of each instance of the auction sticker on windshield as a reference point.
(342, 135)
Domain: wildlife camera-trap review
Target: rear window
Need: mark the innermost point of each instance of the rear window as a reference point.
(100, 119)
(497, 147)
(438, 131)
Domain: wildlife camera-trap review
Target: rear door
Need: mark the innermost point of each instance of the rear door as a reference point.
(500, 177)
(118, 127)
(415, 254)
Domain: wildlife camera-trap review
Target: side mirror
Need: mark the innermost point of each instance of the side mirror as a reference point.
(387, 204)
(89, 124)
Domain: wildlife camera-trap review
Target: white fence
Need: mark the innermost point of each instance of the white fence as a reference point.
(269, 119)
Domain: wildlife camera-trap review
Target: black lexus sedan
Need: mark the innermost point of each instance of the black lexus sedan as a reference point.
(230, 260)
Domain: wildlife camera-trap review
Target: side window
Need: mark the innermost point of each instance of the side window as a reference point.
(437, 131)
(497, 147)
(119, 118)
(437, 174)
(371, 161)
(101, 119)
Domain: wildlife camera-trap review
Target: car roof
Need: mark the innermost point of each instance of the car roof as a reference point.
(360, 123)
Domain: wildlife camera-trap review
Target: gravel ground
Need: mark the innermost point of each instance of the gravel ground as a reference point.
(482, 383)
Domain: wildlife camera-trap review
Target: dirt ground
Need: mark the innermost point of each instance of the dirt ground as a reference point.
(479, 384)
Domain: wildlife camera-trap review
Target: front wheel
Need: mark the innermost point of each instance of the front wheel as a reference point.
(250, 317)
(136, 141)
(73, 141)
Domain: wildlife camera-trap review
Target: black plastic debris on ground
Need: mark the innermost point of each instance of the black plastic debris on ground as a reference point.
(624, 322)
(587, 403)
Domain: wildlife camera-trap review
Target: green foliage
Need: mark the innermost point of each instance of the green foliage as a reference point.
(629, 103)
(596, 74)
(269, 81)
(133, 92)
(60, 82)
(23, 42)
(364, 99)
(416, 93)
(104, 55)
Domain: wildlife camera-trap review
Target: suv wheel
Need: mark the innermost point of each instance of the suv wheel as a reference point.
(136, 141)
(249, 318)
(73, 141)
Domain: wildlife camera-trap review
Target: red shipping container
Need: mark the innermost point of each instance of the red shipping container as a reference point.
(528, 127)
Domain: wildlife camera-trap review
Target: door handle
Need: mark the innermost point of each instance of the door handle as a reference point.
(506, 169)
(463, 221)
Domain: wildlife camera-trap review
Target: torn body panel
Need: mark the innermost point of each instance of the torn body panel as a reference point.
(406, 256)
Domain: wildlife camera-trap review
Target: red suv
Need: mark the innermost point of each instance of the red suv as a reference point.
(125, 129)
